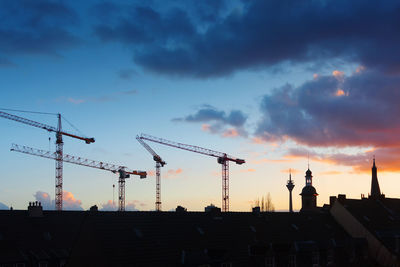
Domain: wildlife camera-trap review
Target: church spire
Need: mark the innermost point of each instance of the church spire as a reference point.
(375, 190)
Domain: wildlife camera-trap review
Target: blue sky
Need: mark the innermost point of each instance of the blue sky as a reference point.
(273, 82)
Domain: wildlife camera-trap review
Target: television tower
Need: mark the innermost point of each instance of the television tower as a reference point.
(290, 186)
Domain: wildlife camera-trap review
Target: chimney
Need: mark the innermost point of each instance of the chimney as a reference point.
(35, 209)
(180, 209)
(332, 200)
(341, 198)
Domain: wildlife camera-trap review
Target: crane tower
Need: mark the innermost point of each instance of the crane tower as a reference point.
(123, 171)
(159, 163)
(59, 148)
(222, 158)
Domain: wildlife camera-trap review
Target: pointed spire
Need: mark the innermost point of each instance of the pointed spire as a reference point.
(375, 190)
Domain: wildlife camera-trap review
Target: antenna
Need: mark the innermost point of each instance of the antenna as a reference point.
(113, 195)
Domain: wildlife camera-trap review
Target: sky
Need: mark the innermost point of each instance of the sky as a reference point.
(281, 84)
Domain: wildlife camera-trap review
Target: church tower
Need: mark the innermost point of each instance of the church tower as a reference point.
(375, 190)
(308, 194)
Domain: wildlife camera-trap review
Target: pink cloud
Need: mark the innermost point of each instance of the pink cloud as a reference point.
(171, 173)
(230, 133)
(69, 201)
(75, 101)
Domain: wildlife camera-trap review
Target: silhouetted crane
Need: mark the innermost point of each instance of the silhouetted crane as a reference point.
(123, 171)
(59, 149)
(159, 163)
(222, 158)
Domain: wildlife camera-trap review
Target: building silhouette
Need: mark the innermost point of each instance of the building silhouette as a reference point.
(375, 190)
(308, 194)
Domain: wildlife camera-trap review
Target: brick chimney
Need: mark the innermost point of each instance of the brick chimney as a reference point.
(35, 209)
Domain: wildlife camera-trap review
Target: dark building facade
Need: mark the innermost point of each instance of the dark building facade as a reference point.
(95, 238)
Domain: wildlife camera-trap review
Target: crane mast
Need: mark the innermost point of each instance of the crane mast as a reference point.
(123, 171)
(159, 163)
(59, 149)
(222, 158)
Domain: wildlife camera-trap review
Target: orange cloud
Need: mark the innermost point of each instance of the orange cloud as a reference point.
(173, 173)
(265, 160)
(338, 73)
(248, 170)
(206, 127)
(258, 140)
(230, 133)
(340, 92)
(315, 76)
(360, 69)
(388, 159)
(330, 173)
(151, 173)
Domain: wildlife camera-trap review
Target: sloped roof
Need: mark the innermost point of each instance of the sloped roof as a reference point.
(381, 216)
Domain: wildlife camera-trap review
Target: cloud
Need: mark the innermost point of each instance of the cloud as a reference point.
(37, 27)
(109, 206)
(45, 199)
(101, 99)
(69, 201)
(3, 206)
(171, 173)
(126, 74)
(387, 159)
(75, 101)
(312, 114)
(214, 39)
(129, 92)
(218, 122)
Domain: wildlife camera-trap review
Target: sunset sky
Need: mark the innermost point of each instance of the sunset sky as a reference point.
(277, 83)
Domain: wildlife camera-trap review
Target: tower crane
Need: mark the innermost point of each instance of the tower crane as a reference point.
(222, 158)
(123, 171)
(159, 163)
(59, 148)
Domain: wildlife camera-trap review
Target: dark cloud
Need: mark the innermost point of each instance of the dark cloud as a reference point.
(359, 110)
(217, 121)
(209, 113)
(204, 41)
(4, 62)
(126, 74)
(36, 27)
